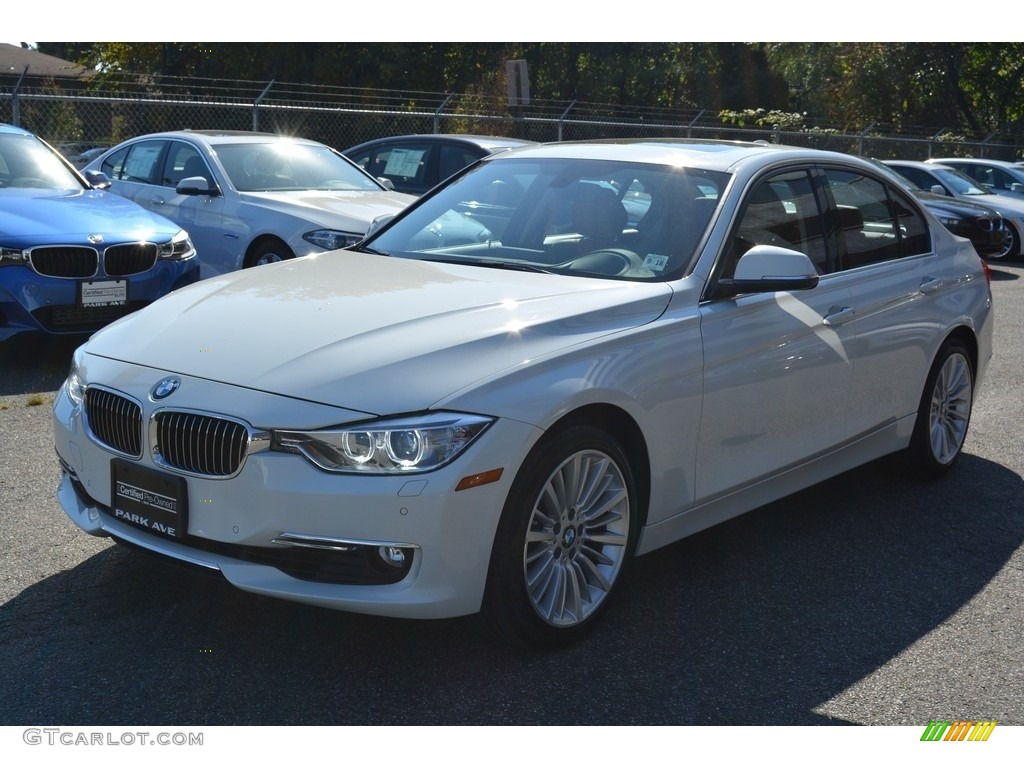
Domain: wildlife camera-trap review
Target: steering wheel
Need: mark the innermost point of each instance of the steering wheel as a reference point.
(617, 262)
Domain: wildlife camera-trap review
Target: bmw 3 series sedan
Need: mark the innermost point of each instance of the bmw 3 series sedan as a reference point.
(501, 397)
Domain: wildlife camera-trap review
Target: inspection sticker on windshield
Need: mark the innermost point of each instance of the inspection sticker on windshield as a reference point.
(154, 501)
(103, 293)
(655, 262)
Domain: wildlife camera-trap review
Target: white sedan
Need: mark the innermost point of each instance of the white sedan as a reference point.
(248, 198)
(570, 355)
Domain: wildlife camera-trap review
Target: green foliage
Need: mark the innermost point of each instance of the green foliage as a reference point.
(763, 118)
(970, 88)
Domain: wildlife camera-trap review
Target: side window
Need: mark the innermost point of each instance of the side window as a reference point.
(113, 164)
(872, 221)
(142, 164)
(183, 160)
(1001, 179)
(983, 176)
(452, 159)
(406, 166)
(782, 211)
(920, 179)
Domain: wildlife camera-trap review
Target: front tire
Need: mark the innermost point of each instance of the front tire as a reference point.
(944, 414)
(1011, 246)
(268, 252)
(566, 532)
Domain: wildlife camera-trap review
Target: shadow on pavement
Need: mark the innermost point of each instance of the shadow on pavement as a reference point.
(756, 621)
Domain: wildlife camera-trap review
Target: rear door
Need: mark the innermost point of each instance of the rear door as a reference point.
(893, 273)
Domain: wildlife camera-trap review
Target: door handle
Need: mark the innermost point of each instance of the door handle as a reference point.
(838, 316)
(930, 284)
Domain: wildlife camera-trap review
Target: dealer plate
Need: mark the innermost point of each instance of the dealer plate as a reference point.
(147, 499)
(102, 293)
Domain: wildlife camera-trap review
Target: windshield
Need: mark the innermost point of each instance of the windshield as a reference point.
(27, 162)
(285, 165)
(959, 182)
(573, 216)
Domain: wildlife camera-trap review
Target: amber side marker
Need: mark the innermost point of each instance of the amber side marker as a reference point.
(481, 478)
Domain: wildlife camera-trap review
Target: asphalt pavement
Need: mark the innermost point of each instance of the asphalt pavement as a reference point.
(869, 599)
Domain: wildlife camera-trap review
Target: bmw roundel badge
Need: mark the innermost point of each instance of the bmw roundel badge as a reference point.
(165, 387)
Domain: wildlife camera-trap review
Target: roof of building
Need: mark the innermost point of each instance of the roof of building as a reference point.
(14, 59)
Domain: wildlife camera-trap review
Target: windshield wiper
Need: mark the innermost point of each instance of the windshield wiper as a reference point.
(516, 266)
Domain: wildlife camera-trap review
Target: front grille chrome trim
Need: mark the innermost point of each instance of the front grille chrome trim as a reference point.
(114, 420)
(202, 444)
(129, 259)
(72, 262)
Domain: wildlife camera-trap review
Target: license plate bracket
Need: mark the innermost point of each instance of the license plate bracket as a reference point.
(144, 498)
(102, 293)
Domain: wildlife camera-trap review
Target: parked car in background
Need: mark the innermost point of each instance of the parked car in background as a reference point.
(419, 162)
(999, 176)
(73, 258)
(943, 180)
(249, 198)
(497, 416)
(80, 153)
(983, 226)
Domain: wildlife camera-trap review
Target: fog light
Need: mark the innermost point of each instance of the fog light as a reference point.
(392, 556)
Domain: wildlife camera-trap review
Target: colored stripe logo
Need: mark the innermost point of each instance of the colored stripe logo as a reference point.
(958, 730)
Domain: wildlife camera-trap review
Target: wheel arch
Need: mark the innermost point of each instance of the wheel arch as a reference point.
(620, 425)
(259, 242)
(966, 336)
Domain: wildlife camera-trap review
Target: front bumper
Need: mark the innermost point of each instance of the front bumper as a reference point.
(32, 302)
(285, 529)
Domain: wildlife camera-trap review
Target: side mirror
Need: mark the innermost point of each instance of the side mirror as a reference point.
(97, 179)
(1017, 187)
(767, 269)
(938, 189)
(379, 222)
(195, 185)
(387, 183)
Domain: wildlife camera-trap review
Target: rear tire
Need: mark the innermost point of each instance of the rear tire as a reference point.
(566, 531)
(944, 414)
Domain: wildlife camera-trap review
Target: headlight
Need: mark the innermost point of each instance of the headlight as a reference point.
(332, 239)
(12, 256)
(950, 221)
(74, 384)
(178, 249)
(411, 444)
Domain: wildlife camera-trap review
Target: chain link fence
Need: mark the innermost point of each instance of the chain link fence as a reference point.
(75, 117)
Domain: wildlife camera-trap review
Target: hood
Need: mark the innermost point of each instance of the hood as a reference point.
(372, 333)
(1006, 206)
(955, 205)
(68, 216)
(349, 210)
